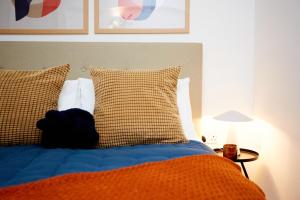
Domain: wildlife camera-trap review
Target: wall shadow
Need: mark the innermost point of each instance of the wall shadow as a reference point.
(266, 181)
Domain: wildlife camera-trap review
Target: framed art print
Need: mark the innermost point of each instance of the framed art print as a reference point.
(141, 16)
(43, 16)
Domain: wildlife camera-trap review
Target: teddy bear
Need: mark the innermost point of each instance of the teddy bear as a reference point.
(73, 128)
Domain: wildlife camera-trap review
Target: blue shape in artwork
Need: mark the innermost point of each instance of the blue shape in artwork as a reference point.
(22, 8)
(148, 8)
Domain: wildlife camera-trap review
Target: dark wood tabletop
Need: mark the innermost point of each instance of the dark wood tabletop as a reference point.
(246, 155)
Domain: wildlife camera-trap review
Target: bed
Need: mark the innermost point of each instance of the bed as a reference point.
(179, 170)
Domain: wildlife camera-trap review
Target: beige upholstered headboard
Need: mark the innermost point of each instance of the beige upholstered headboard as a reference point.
(80, 55)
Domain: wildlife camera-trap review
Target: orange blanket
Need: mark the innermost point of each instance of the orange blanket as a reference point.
(192, 177)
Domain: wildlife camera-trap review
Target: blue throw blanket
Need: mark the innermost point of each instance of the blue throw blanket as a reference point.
(22, 164)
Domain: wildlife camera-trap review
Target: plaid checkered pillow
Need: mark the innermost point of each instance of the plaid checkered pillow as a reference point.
(137, 106)
(25, 96)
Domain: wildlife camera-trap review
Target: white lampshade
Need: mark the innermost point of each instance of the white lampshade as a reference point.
(233, 116)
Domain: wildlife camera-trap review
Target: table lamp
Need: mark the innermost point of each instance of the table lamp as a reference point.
(232, 117)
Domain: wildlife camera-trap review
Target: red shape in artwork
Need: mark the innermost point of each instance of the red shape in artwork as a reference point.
(130, 9)
(49, 6)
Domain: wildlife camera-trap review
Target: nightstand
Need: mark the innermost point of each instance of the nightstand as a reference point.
(246, 155)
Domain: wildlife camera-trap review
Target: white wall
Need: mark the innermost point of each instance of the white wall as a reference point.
(226, 29)
(277, 95)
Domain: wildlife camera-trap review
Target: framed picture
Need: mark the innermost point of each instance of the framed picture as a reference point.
(43, 16)
(142, 16)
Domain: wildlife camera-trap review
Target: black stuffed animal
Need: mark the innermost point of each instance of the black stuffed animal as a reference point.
(73, 128)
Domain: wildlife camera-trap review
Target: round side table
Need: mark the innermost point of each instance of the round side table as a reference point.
(246, 155)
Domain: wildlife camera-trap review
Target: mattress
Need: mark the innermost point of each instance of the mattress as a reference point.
(22, 164)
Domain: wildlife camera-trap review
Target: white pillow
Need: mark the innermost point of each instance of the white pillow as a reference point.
(87, 94)
(69, 96)
(185, 110)
(86, 97)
